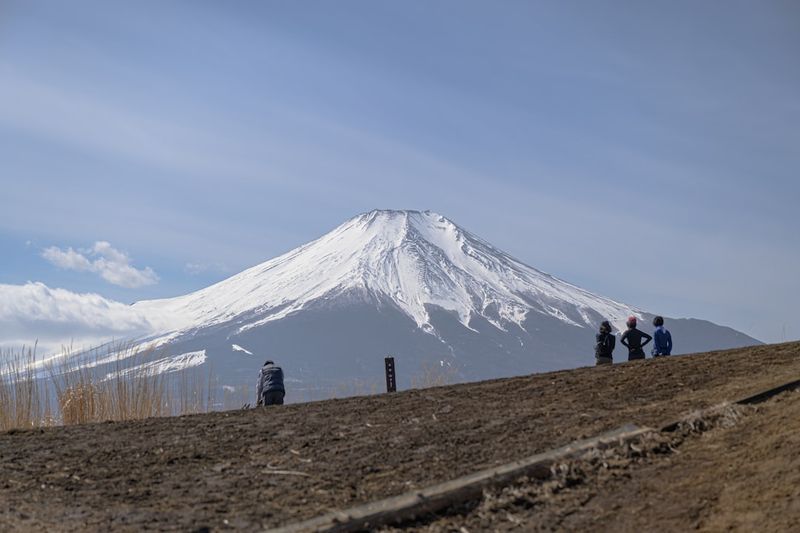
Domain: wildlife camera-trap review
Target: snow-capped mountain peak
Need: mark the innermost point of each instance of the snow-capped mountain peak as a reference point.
(409, 259)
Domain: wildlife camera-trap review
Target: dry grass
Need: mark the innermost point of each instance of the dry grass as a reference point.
(118, 383)
(355, 387)
(23, 401)
(236, 397)
(432, 375)
(122, 382)
(118, 387)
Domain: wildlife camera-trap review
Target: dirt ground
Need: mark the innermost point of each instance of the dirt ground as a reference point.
(740, 472)
(265, 467)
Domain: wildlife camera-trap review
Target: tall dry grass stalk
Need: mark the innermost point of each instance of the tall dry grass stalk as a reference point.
(121, 382)
(23, 402)
(194, 392)
(122, 385)
(355, 387)
(431, 375)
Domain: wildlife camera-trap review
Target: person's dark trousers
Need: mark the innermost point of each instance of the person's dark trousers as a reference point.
(274, 397)
(603, 361)
(635, 355)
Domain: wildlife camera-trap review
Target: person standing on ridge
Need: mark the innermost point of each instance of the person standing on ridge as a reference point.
(662, 339)
(604, 345)
(632, 340)
(270, 385)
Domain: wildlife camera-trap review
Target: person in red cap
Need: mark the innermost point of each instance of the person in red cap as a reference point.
(632, 340)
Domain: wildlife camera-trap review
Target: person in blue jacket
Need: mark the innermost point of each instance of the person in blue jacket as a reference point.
(662, 339)
(270, 389)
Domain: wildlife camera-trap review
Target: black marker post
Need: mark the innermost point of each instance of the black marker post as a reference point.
(391, 380)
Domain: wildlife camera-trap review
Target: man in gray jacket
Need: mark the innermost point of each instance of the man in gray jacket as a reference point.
(270, 385)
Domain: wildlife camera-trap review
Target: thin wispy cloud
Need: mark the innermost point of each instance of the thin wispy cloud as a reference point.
(103, 259)
(102, 125)
(195, 269)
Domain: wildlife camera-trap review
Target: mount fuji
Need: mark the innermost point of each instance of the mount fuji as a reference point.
(404, 283)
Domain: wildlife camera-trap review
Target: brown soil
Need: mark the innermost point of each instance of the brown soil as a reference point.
(738, 472)
(264, 467)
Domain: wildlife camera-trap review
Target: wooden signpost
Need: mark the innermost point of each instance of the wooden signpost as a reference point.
(391, 379)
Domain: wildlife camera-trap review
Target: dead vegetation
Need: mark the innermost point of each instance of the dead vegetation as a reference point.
(24, 403)
(118, 383)
(435, 375)
(69, 389)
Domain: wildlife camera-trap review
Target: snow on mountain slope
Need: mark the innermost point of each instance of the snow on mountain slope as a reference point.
(410, 258)
(407, 283)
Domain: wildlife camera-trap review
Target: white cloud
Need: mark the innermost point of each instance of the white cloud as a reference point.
(112, 265)
(67, 259)
(54, 318)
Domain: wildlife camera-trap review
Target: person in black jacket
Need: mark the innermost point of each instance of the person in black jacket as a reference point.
(270, 385)
(604, 345)
(632, 339)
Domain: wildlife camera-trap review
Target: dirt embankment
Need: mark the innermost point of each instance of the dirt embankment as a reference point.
(734, 470)
(265, 467)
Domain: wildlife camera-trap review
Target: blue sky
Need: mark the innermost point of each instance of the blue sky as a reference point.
(646, 151)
